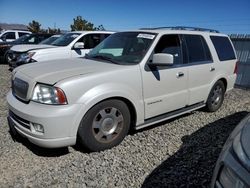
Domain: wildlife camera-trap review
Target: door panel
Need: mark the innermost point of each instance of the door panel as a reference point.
(200, 78)
(164, 91)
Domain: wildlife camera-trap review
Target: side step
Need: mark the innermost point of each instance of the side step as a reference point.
(169, 115)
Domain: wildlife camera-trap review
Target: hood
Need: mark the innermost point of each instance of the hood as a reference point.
(51, 72)
(245, 137)
(28, 47)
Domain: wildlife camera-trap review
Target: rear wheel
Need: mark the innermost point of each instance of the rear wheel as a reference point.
(105, 125)
(216, 96)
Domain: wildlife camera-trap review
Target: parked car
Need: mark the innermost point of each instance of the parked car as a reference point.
(17, 50)
(130, 80)
(72, 44)
(233, 166)
(34, 38)
(11, 35)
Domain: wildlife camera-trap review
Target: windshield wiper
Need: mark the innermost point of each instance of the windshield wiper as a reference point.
(102, 57)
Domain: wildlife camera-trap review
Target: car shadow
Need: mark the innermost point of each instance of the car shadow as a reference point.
(192, 165)
(39, 151)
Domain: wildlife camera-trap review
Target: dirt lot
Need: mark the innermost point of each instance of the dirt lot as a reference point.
(176, 153)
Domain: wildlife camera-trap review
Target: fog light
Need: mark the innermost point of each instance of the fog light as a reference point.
(38, 127)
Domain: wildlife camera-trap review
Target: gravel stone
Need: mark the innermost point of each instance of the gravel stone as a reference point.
(181, 152)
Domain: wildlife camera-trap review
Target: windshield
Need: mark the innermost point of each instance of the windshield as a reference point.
(65, 39)
(22, 39)
(50, 40)
(123, 47)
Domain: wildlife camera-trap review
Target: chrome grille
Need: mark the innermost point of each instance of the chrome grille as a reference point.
(20, 88)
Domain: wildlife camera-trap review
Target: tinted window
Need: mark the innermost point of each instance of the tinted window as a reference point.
(21, 34)
(170, 44)
(9, 35)
(197, 49)
(91, 40)
(223, 48)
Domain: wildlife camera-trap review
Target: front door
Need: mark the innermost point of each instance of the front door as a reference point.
(165, 87)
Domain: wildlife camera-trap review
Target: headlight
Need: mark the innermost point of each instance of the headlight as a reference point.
(237, 147)
(26, 57)
(48, 95)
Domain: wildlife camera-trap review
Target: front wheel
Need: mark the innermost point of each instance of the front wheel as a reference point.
(216, 96)
(105, 125)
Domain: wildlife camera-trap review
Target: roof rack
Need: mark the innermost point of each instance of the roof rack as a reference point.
(183, 28)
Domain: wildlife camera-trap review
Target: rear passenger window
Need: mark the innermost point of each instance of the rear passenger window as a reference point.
(197, 49)
(223, 48)
(21, 34)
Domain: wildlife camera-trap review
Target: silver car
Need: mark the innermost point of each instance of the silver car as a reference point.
(233, 166)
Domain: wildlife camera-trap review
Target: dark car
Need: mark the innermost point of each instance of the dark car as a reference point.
(34, 38)
(233, 166)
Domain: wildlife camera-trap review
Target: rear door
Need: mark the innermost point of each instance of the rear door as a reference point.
(165, 87)
(201, 69)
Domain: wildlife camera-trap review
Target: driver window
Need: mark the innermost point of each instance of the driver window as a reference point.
(91, 40)
(170, 44)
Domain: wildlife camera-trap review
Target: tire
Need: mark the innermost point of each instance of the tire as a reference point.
(6, 58)
(216, 97)
(104, 126)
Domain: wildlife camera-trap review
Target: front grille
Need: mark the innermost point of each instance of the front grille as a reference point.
(20, 88)
(21, 121)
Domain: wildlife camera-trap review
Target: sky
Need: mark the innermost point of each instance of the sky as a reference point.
(227, 16)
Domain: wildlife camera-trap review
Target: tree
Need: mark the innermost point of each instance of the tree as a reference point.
(99, 28)
(81, 24)
(53, 31)
(34, 26)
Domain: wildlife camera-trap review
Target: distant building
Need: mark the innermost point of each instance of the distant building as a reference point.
(5, 26)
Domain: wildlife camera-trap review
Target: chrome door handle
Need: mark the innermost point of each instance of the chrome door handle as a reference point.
(179, 74)
(212, 69)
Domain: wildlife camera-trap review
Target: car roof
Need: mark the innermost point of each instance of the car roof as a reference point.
(180, 30)
(96, 31)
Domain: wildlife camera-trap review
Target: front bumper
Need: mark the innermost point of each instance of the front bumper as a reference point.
(232, 170)
(59, 122)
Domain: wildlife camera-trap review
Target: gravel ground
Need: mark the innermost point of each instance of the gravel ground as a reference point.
(178, 153)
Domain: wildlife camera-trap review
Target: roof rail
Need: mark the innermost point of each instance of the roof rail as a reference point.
(182, 28)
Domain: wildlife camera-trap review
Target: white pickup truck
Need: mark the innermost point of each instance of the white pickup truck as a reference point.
(72, 44)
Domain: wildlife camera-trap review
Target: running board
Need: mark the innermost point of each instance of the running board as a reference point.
(170, 115)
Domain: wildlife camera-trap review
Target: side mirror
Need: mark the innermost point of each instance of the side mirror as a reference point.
(162, 59)
(78, 45)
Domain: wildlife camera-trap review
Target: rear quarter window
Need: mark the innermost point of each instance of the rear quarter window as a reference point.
(223, 48)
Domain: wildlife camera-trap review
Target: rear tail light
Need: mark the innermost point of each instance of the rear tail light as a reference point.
(236, 67)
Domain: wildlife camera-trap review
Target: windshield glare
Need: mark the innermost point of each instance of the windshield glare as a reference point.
(65, 39)
(124, 47)
(49, 40)
(22, 39)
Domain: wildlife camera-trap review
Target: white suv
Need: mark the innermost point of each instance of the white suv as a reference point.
(131, 80)
(11, 35)
(72, 44)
